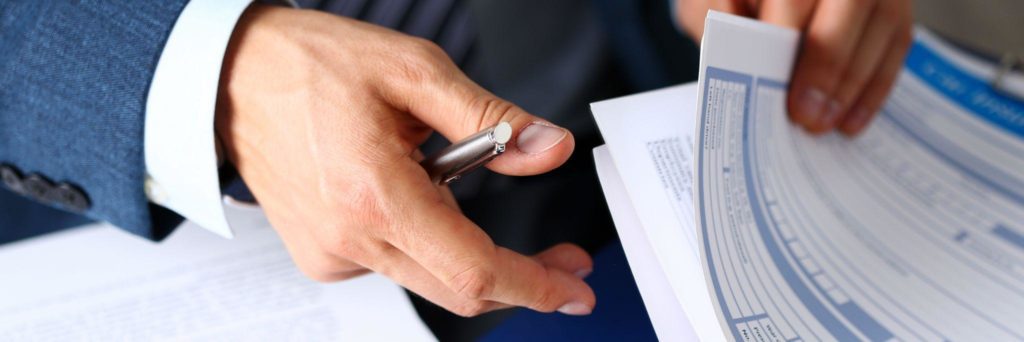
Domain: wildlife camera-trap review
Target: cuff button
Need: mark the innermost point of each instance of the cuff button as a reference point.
(11, 179)
(71, 198)
(37, 187)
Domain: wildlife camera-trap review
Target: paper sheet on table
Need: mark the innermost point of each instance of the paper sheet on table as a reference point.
(98, 283)
(912, 231)
(650, 142)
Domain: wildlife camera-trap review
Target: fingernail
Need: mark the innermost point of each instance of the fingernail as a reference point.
(575, 309)
(583, 273)
(538, 137)
(856, 121)
(831, 115)
(809, 105)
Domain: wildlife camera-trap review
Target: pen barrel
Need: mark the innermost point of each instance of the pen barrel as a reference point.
(464, 156)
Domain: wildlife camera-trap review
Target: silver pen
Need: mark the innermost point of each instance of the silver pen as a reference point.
(470, 153)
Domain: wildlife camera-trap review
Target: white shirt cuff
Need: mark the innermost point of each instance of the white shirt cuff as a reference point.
(180, 152)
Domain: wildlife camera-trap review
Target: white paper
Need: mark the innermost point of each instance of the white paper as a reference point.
(98, 283)
(650, 140)
(913, 231)
(667, 316)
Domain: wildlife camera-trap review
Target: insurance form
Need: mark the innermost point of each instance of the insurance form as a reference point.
(912, 231)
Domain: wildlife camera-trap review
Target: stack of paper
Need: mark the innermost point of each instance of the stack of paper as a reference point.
(100, 284)
(738, 225)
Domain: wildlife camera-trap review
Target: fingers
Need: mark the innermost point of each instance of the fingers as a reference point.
(536, 146)
(405, 271)
(445, 99)
(878, 89)
(865, 63)
(690, 14)
(828, 46)
(316, 262)
(738, 7)
(327, 268)
(787, 13)
(411, 275)
(446, 193)
(466, 261)
(522, 281)
(567, 257)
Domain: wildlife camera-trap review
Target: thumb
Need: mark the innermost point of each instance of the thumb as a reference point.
(457, 108)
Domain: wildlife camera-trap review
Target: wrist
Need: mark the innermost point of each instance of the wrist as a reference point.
(234, 85)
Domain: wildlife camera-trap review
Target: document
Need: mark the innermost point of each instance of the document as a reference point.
(762, 232)
(913, 231)
(98, 283)
(649, 145)
(670, 321)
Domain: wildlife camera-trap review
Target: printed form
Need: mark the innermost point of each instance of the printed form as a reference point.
(646, 172)
(97, 283)
(912, 231)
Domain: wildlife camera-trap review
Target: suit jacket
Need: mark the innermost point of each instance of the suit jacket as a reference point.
(73, 82)
(74, 77)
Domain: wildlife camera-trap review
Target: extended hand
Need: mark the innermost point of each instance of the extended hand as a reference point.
(323, 115)
(851, 53)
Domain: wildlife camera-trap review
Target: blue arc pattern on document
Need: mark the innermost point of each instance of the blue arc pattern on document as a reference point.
(974, 94)
(913, 231)
(977, 97)
(1011, 236)
(850, 310)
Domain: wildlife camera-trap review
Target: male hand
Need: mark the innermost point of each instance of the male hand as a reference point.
(322, 117)
(851, 54)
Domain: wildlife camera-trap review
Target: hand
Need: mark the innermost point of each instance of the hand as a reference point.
(851, 54)
(322, 117)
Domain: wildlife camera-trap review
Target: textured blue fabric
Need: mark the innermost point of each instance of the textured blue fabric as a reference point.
(74, 77)
(23, 218)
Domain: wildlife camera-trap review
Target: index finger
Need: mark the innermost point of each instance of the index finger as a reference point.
(787, 13)
(463, 257)
(828, 45)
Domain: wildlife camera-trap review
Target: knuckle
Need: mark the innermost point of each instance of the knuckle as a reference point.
(546, 301)
(470, 308)
(416, 70)
(474, 283)
(427, 48)
(421, 61)
(364, 205)
(487, 110)
(342, 245)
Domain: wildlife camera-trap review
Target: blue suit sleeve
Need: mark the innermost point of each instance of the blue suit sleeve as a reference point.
(74, 77)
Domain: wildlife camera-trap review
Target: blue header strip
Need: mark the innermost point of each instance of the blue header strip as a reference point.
(973, 94)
